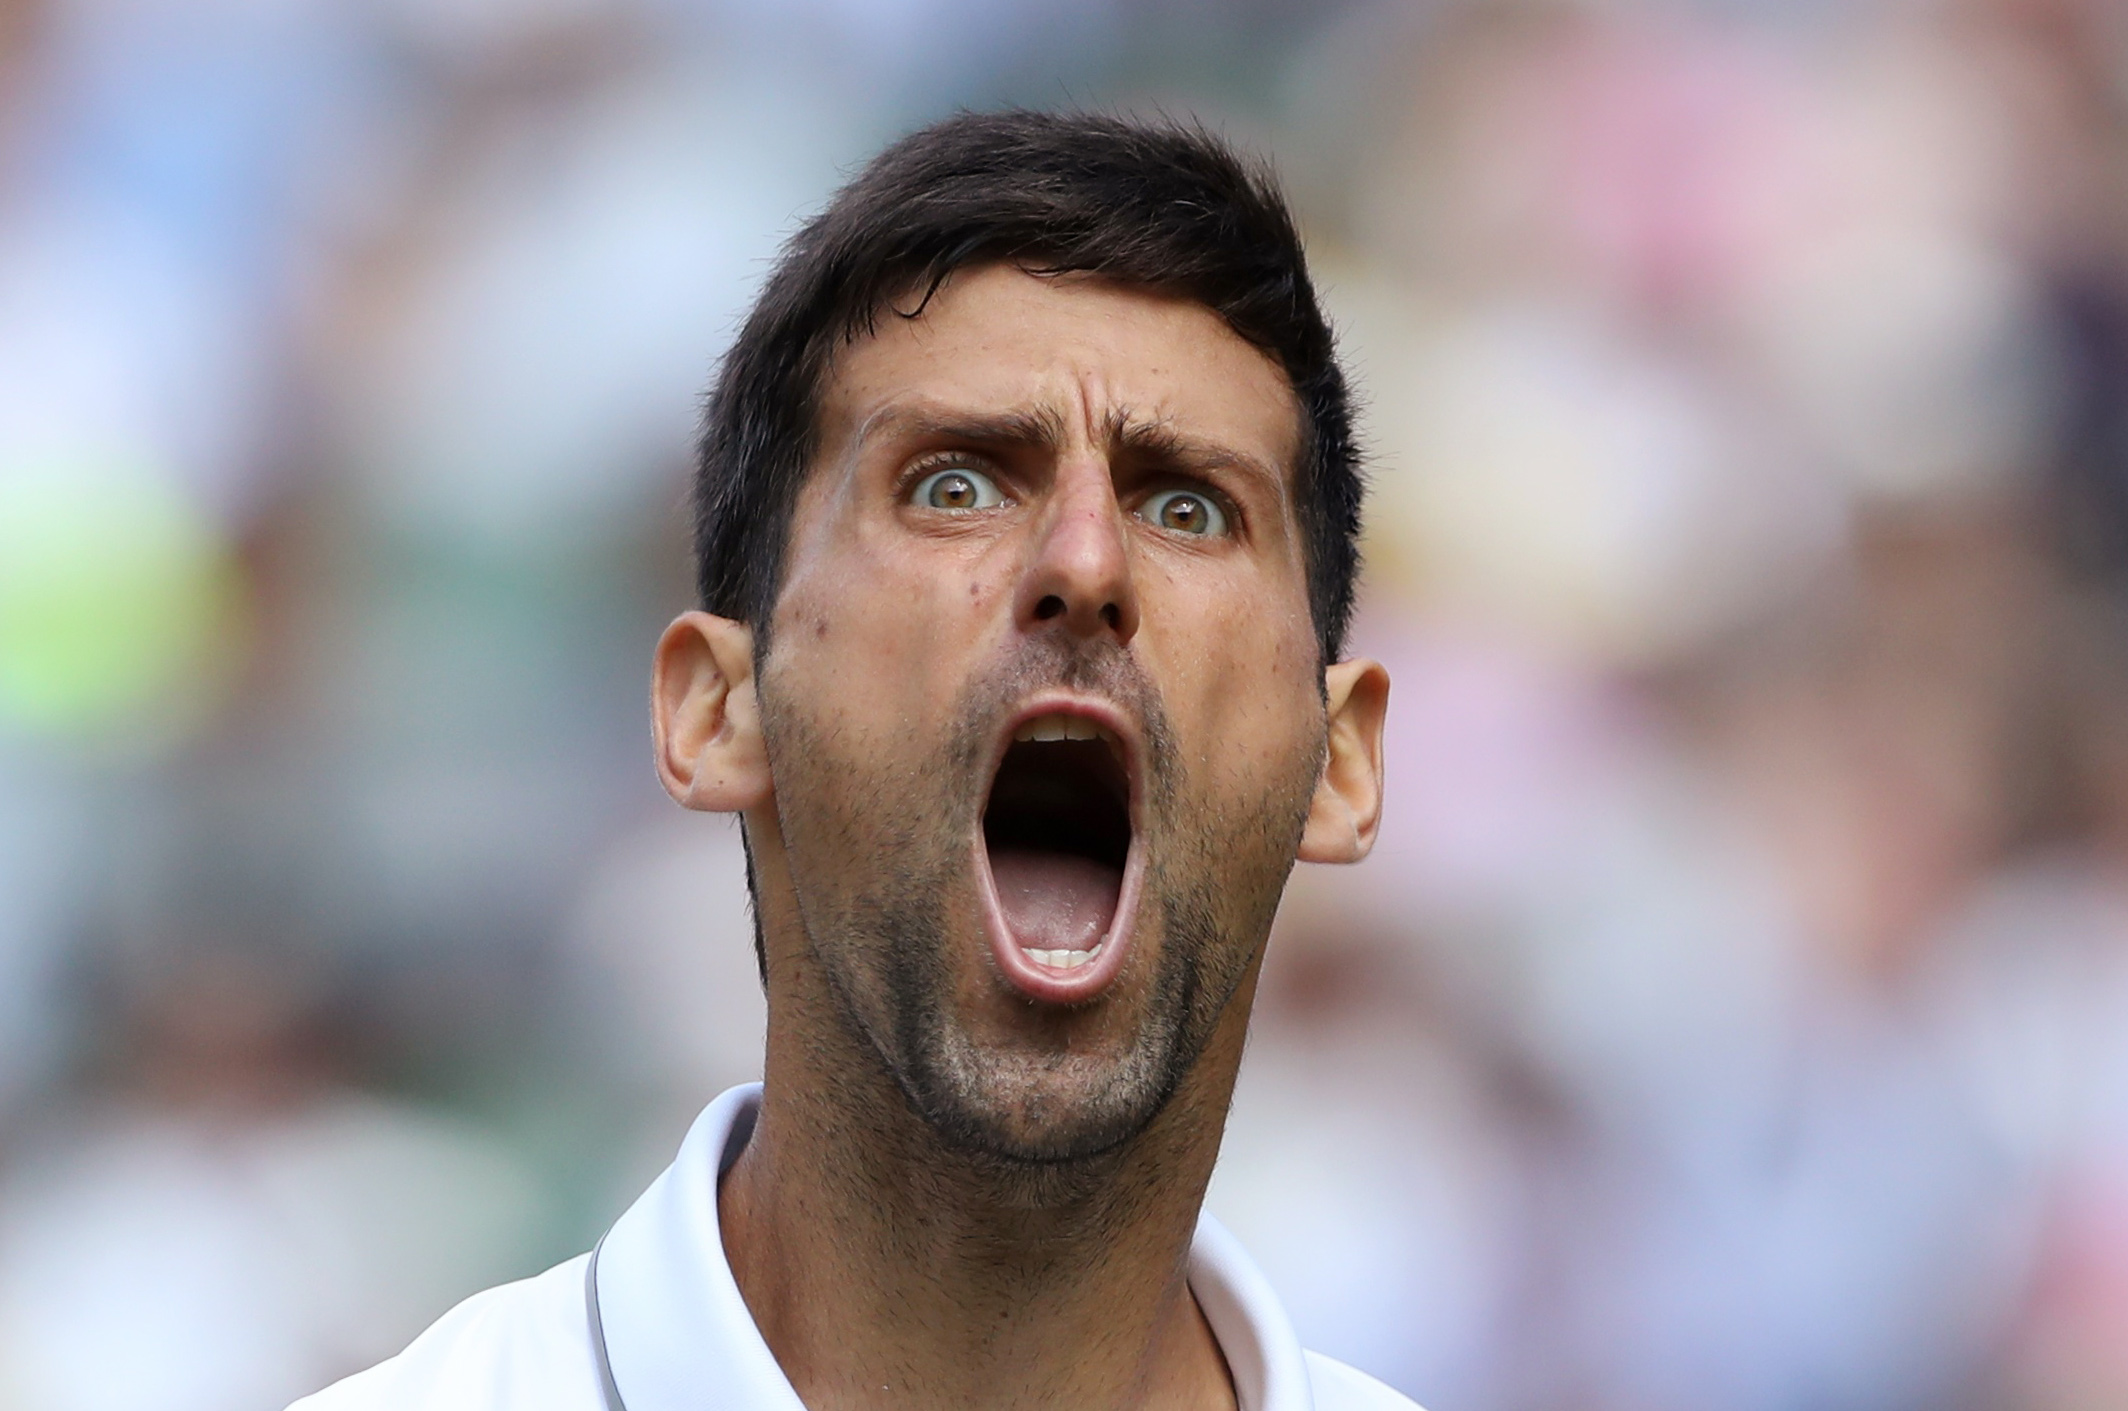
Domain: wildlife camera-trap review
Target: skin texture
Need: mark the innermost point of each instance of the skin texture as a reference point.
(957, 1195)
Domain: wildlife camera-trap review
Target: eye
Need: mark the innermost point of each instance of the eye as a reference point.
(957, 489)
(1185, 512)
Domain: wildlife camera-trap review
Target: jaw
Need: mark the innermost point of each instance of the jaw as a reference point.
(884, 915)
(1007, 1057)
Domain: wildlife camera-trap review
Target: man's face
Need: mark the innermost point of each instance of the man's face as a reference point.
(1041, 699)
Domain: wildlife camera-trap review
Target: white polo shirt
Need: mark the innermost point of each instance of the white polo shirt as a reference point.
(678, 1336)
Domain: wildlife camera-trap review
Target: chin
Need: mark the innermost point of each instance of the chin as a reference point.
(1035, 1084)
(1040, 1109)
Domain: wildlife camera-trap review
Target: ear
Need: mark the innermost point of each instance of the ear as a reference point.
(705, 717)
(1347, 810)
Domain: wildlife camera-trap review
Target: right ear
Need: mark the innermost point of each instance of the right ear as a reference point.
(705, 717)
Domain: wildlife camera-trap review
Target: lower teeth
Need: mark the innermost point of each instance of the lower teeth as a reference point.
(1062, 959)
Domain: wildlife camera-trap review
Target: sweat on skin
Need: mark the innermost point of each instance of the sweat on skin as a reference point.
(1059, 509)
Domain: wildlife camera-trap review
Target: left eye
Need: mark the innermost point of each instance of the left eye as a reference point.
(957, 490)
(1185, 512)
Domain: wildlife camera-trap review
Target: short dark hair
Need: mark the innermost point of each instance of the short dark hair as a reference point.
(1154, 205)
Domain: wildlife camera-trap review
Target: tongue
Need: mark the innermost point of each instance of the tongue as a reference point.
(1054, 900)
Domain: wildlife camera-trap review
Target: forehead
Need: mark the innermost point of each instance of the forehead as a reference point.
(1075, 347)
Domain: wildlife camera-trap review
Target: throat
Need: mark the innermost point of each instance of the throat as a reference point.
(858, 1240)
(993, 1310)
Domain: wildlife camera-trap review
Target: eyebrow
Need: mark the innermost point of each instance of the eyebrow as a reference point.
(1162, 442)
(1042, 428)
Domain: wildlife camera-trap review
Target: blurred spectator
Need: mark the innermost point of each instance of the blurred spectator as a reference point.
(219, 1219)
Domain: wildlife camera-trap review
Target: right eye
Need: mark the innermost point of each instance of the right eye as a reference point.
(957, 489)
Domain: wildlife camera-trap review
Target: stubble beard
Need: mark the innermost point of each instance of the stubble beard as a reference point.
(888, 945)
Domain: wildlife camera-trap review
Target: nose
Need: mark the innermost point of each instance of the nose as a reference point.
(1079, 577)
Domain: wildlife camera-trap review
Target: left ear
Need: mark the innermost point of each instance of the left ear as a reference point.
(1347, 809)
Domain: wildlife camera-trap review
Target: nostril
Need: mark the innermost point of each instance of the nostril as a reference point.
(1112, 615)
(1051, 606)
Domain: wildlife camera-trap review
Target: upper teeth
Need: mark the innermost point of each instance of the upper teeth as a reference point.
(1059, 727)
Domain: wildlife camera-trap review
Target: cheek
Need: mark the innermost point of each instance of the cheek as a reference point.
(1246, 683)
(879, 635)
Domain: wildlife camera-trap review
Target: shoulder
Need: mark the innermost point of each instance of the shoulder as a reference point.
(519, 1347)
(1340, 1388)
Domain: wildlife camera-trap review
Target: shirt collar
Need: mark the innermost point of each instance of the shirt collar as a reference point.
(679, 1336)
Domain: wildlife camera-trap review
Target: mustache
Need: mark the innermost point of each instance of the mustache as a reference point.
(1097, 667)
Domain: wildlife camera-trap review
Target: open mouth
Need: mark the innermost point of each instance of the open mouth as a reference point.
(1057, 832)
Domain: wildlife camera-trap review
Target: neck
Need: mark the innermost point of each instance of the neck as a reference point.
(885, 1269)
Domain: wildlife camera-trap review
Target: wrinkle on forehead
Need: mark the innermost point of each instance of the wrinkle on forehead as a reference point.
(1100, 427)
(1086, 372)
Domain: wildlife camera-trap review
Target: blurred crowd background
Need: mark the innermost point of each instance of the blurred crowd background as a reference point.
(1735, 1014)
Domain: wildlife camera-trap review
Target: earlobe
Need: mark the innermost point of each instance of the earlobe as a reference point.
(1347, 809)
(705, 717)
